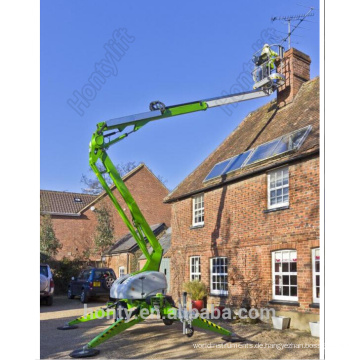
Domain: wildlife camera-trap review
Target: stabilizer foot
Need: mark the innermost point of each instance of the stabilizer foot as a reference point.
(233, 338)
(67, 327)
(84, 353)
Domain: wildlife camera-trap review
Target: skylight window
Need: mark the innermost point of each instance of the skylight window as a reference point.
(281, 145)
(238, 161)
(263, 151)
(77, 200)
(217, 170)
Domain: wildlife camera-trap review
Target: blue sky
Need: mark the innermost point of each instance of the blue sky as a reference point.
(176, 52)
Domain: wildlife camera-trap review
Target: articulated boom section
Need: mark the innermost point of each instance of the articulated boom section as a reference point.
(138, 226)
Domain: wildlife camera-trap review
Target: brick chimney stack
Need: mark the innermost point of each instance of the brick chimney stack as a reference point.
(296, 68)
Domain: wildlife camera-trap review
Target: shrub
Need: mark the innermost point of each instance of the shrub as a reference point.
(196, 289)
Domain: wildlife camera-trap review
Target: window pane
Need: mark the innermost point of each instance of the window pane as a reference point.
(277, 290)
(297, 138)
(293, 280)
(286, 290)
(263, 151)
(285, 267)
(282, 146)
(293, 267)
(293, 291)
(217, 170)
(317, 280)
(318, 292)
(238, 162)
(277, 267)
(293, 256)
(286, 256)
(277, 279)
(317, 266)
(286, 279)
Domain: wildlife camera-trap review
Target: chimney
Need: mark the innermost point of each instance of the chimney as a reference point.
(296, 68)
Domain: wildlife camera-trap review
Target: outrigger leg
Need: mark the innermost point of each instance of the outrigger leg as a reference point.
(190, 320)
(208, 325)
(119, 326)
(96, 314)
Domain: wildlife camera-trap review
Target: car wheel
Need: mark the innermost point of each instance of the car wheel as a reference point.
(109, 281)
(84, 297)
(70, 294)
(49, 300)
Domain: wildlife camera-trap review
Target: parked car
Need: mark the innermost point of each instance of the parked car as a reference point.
(92, 282)
(46, 284)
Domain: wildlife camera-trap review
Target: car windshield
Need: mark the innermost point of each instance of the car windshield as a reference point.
(44, 270)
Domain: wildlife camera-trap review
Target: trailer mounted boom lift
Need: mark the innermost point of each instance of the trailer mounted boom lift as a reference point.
(143, 290)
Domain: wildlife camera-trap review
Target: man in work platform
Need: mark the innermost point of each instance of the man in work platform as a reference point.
(268, 55)
(266, 61)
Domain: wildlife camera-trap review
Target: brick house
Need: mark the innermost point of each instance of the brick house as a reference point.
(74, 218)
(246, 221)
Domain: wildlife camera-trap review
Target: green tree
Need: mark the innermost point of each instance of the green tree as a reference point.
(49, 244)
(104, 236)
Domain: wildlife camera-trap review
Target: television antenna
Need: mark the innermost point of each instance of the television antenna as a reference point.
(289, 19)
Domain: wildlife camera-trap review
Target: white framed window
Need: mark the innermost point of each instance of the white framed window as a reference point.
(316, 274)
(219, 276)
(278, 188)
(284, 275)
(121, 271)
(195, 269)
(198, 210)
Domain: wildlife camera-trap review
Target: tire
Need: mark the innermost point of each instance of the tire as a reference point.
(70, 294)
(49, 301)
(190, 330)
(109, 281)
(84, 296)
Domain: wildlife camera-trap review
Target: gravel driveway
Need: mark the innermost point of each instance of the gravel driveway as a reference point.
(153, 340)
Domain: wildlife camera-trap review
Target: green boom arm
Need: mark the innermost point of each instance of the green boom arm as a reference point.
(100, 142)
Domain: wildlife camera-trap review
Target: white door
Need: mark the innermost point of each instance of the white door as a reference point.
(165, 268)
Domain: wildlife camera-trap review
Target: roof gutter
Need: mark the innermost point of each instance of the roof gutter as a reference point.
(60, 214)
(242, 176)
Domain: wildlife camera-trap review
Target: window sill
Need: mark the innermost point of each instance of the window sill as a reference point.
(196, 226)
(276, 209)
(282, 302)
(314, 306)
(219, 295)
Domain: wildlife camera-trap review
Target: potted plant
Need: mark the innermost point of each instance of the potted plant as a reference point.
(197, 291)
(281, 322)
(315, 328)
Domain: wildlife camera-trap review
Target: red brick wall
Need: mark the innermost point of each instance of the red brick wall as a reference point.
(237, 227)
(123, 259)
(77, 233)
(296, 68)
